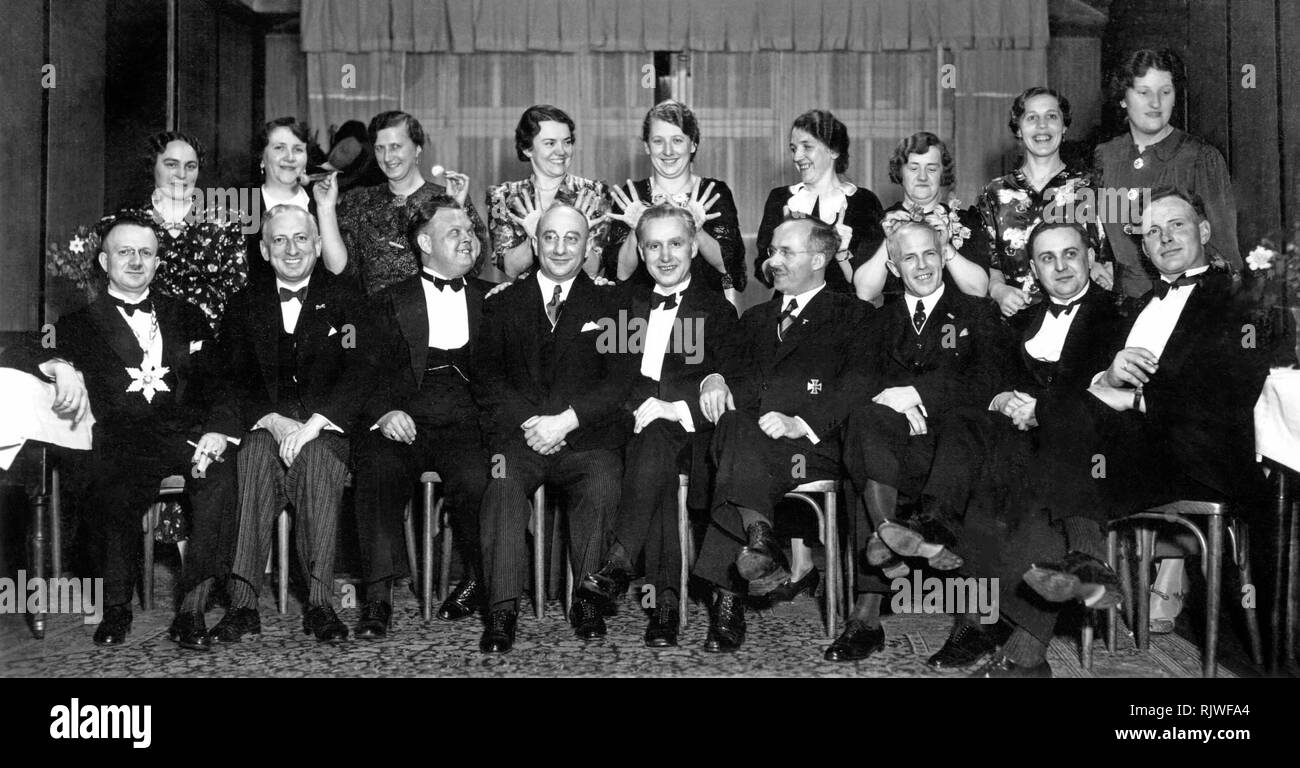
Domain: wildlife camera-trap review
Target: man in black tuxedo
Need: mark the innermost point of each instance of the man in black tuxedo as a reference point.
(419, 336)
(803, 358)
(936, 354)
(1171, 415)
(294, 389)
(145, 359)
(688, 333)
(1061, 343)
(553, 395)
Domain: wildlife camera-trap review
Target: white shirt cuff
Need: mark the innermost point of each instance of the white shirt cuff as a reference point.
(684, 415)
(811, 435)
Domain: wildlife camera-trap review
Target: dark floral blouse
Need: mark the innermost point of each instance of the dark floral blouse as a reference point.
(506, 234)
(373, 222)
(725, 229)
(1010, 208)
(204, 263)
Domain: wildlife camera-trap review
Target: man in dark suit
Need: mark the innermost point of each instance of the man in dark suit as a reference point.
(553, 395)
(1061, 343)
(1170, 416)
(935, 353)
(294, 389)
(804, 357)
(419, 336)
(145, 360)
(687, 331)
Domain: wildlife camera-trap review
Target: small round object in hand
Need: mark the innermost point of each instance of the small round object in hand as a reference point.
(437, 170)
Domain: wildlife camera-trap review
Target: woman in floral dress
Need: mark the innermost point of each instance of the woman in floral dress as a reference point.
(1012, 205)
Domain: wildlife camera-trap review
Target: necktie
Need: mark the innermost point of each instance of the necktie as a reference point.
(918, 319)
(554, 307)
(456, 283)
(144, 306)
(786, 320)
(300, 294)
(1058, 309)
(1163, 287)
(658, 301)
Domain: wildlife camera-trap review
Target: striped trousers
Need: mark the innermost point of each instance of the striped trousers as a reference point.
(313, 486)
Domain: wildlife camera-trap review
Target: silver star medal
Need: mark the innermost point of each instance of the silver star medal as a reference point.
(148, 379)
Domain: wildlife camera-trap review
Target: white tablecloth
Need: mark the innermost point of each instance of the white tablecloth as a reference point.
(26, 413)
(1277, 418)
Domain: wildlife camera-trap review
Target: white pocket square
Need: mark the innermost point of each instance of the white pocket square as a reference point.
(195, 346)
(964, 332)
(590, 326)
(333, 330)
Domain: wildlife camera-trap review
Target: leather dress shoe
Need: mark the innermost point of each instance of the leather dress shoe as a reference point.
(1001, 666)
(588, 621)
(882, 557)
(607, 584)
(188, 630)
(856, 642)
(664, 626)
(966, 645)
(761, 561)
(237, 625)
(115, 625)
(463, 602)
(1079, 576)
(323, 622)
(789, 590)
(376, 615)
(499, 634)
(910, 542)
(726, 623)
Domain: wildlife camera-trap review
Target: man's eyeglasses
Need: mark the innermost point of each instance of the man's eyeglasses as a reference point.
(783, 252)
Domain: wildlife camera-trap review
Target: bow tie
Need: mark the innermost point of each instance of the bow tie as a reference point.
(658, 300)
(1163, 287)
(1059, 309)
(456, 283)
(300, 294)
(145, 305)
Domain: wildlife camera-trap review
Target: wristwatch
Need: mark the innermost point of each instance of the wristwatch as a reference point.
(847, 255)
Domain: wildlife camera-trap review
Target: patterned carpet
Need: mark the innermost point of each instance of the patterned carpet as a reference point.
(785, 642)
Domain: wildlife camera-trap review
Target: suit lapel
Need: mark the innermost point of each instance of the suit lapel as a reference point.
(1205, 299)
(572, 316)
(413, 322)
(805, 324)
(117, 332)
(267, 326)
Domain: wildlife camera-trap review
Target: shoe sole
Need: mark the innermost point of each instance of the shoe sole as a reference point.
(753, 565)
(764, 586)
(947, 667)
(908, 543)
(1057, 587)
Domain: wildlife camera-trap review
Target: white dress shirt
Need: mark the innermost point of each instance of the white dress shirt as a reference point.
(1047, 343)
(271, 199)
(1154, 326)
(141, 325)
(929, 302)
(659, 334)
(547, 287)
(447, 313)
(291, 309)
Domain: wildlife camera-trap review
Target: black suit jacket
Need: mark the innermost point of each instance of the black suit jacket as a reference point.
(955, 361)
(332, 378)
(706, 319)
(98, 341)
(818, 373)
(1088, 348)
(1201, 399)
(395, 331)
(592, 376)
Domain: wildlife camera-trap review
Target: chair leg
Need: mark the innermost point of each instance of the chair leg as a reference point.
(56, 524)
(1112, 614)
(444, 570)
(432, 515)
(1146, 549)
(1213, 586)
(1248, 582)
(146, 578)
(1085, 640)
(568, 586)
(539, 552)
(282, 541)
(683, 542)
(830, 539)
(412, 563)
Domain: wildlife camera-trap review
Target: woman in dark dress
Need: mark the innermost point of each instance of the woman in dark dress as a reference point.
(1012, 205)
(922, 165)
(671, 136)
(819, 147)
(372, 221)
